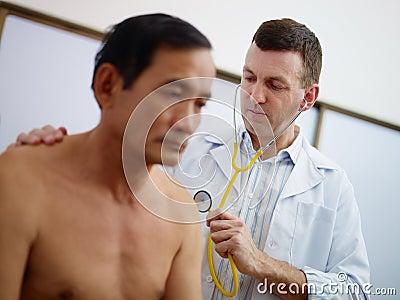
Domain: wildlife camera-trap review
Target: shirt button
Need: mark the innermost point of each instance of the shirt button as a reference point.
(271, 244)
(259, 166)
(250, 195)
(209, 279)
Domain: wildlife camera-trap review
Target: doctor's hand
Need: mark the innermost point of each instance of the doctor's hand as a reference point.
(48, 135)
(231, 235)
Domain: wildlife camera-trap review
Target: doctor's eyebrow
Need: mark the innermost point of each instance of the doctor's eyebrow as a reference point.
(247, 69)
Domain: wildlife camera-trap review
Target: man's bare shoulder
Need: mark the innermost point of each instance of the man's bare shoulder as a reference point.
(169, 186)
(24, 176)
(16, 164)
(30, 161)
(23, 165)
(176, 192)
(19, 208)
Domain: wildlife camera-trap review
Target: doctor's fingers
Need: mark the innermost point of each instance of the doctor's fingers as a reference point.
(219, 214)
(219, 225)
(27, 139)
(222, 249)
(47, 134)
(236, 235)
(220, 236)
(234, 245)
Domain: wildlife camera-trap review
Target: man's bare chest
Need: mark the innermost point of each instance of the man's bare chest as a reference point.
(84, 251)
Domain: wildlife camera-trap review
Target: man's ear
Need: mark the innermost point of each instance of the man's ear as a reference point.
(311, 95)
(106, 84)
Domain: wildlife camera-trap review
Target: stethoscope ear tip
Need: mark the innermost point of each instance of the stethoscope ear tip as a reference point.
(305, 105)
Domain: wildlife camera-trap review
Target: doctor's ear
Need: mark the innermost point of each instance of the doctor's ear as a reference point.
(311, 95)
(107, 83)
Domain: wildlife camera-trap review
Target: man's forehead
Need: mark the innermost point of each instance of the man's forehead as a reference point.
(273, 64)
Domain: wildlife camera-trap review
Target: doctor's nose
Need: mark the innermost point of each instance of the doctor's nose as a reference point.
(257, 93)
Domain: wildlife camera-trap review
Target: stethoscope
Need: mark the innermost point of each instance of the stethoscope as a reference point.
(204, 200)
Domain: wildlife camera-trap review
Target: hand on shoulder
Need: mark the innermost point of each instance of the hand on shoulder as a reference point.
(48, 135)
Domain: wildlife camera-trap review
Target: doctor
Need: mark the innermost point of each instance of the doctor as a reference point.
(295, 220)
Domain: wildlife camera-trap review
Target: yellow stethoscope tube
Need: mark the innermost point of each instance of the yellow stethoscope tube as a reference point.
(209, 245)
(228, 189)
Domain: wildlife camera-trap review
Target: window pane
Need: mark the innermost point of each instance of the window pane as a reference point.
(45, 78)
(370, 155)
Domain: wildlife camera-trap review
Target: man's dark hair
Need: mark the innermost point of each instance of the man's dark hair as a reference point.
(289, 35)
(130, 45)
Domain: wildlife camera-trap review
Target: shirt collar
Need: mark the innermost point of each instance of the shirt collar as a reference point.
(292, 152)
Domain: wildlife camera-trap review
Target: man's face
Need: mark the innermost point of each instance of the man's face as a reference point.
(165, 115)
(273, 92)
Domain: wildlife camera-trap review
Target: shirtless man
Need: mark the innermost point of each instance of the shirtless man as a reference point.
(70, 227)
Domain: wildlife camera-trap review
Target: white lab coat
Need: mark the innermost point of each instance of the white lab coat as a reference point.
(316, 224)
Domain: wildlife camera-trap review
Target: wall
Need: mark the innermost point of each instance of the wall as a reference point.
(360, 38)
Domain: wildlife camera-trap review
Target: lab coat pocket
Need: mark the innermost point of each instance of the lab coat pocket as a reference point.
(312, 236)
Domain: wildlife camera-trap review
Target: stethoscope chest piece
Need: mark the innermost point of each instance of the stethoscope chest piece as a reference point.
(203, 201)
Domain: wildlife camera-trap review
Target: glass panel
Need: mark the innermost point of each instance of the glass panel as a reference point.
(370, 155)
(45, 78)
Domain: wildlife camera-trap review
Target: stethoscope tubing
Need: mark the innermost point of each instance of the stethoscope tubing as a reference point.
(238, 170)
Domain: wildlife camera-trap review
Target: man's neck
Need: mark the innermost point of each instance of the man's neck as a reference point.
(101, 158)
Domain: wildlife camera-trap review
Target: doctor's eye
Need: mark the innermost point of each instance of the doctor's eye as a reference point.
(276, 86)
(250, 79)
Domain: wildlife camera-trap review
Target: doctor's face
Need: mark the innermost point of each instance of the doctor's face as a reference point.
(272, 84)
(169, 102)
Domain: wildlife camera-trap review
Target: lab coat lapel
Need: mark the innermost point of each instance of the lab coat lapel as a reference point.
(305, 175)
